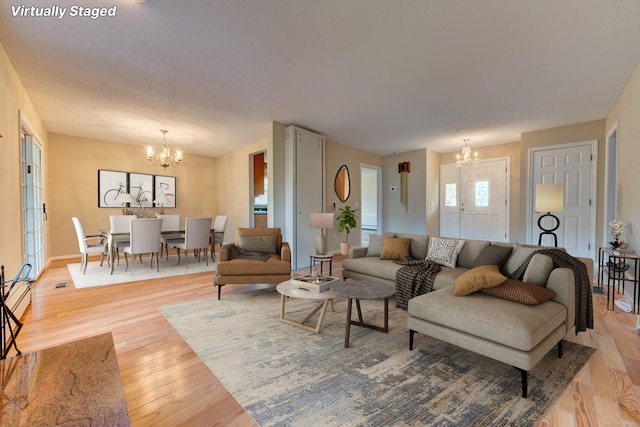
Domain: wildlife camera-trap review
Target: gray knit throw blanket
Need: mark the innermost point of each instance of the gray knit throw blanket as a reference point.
(236, 252)
(584, 290)
(414, 278)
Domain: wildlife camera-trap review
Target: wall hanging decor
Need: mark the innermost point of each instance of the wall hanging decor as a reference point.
(403, 169)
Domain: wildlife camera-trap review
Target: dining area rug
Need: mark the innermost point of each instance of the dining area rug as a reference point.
(287, 376)
(97, 275)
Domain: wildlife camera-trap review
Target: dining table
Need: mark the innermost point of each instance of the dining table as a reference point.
(111, 236)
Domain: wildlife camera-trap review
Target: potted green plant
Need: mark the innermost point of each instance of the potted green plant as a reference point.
(347, 220)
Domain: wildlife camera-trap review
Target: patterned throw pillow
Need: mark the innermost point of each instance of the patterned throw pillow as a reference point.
(444, 251)
(518, 255)
(521, 292)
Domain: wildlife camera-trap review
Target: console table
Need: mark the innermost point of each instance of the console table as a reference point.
(608, 259)
(77, 383)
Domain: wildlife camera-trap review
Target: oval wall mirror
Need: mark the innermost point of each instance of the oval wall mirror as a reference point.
(342, 183)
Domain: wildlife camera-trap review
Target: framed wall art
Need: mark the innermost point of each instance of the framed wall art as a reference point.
(110, 185)
(141, 188)
(165, 186)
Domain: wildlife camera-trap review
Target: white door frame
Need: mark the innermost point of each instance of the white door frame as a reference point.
(593, 196)
(611, 180)
(379, 192)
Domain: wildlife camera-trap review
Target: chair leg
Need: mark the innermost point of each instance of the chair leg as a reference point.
(178, 251)
(206, 255)
(85, 261)
(157, 262)
(126, 259)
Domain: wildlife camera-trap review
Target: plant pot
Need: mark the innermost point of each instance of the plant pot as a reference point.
(344, 248)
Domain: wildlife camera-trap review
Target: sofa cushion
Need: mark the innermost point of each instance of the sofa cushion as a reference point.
(494, 319)
(264, 244)
(538, 271)
(491, 254)
(419, 244)
(237, 267)
(521, 292)
(447, 277)
(444, 251)
(372, 266)
(375, 244)
(477, 278)
(518, 256)
(470, 251)
(395, 248)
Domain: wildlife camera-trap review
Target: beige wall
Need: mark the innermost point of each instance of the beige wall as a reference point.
(578, 132)
(14, 103)
(626, 113)
(337, 155)
(513, 152)
(433, 193)
(72, 173)
(232, 186)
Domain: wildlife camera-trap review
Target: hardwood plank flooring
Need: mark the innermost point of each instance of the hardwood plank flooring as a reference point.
(166, 384)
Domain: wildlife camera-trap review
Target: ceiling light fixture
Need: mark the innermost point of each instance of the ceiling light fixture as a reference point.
(166, 156)
(465, 158)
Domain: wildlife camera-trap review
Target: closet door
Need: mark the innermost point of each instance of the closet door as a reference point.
(305, 191)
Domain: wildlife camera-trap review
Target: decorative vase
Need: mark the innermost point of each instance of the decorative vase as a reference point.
(344, 248)
(616, 244)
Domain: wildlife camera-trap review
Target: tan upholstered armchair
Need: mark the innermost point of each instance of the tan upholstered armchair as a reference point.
(276, 269)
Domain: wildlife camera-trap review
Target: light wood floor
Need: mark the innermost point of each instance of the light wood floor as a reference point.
(166, 384)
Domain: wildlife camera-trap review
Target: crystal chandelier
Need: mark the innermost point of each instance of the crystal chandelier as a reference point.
(465, 158)
(166, 156)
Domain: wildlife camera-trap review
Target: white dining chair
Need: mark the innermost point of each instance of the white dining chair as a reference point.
(169, 222)
(197, 233)
(85, 247)
(120, 224)
(219, 226)
(144, 239)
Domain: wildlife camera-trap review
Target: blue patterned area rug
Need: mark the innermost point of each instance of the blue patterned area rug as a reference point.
(285, 376)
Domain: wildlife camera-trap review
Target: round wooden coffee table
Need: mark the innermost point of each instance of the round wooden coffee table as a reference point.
(360, 289)
(286, 290)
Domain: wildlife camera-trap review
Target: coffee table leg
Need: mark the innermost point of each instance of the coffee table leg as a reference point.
(359, 310)
(386, 315)
(348, 327)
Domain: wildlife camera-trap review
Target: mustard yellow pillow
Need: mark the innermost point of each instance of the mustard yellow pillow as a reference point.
(395, 248)
(485, 276)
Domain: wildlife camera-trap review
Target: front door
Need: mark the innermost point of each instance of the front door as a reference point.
(474, 200)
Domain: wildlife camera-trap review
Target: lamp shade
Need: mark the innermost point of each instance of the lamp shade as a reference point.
(125, 198)
(162, 200)
(549, 198)
(321, 220)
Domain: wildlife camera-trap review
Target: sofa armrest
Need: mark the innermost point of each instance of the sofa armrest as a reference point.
(562, 282)
(358, 252)
(223, 255)
(588, 262)
(285, 252)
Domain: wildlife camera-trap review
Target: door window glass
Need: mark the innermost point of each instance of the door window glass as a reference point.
(482, 193)
(450, 197)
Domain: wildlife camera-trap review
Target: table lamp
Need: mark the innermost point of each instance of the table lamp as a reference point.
(549, 198)
(161, 200)
(321, 220)
(125, 198)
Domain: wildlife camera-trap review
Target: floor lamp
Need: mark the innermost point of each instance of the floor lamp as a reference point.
(549, 198)
(321, 220)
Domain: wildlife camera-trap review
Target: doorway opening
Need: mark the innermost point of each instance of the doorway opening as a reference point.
(259, 184)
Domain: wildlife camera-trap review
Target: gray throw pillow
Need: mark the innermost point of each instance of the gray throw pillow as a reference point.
(264, 244)
(375, 244)
(493, 255)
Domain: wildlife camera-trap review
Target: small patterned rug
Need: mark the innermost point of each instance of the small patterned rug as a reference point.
(285, 376)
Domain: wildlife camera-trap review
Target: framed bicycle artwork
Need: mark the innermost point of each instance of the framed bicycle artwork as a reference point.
(141, 188)
(110, 185)
(165, 190)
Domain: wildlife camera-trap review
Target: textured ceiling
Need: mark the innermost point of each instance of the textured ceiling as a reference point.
(379, 75)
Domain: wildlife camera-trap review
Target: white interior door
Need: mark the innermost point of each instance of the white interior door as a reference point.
(474, 200)
(571, 165)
